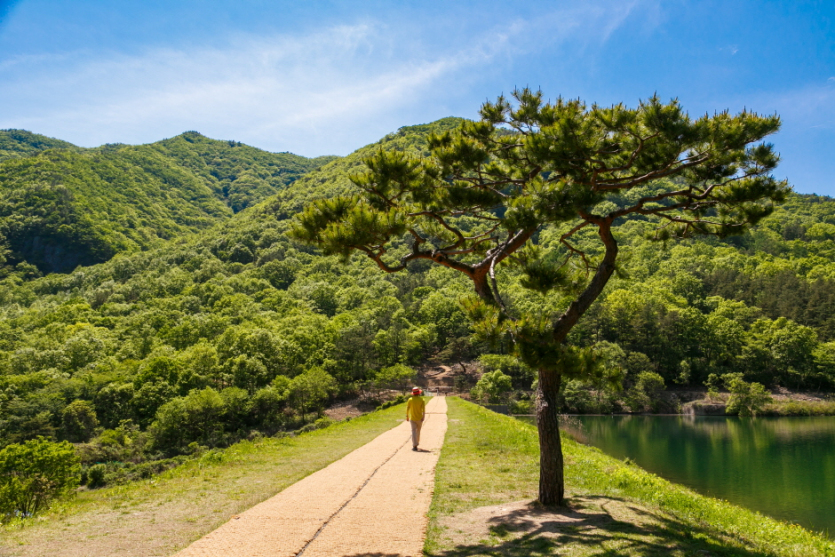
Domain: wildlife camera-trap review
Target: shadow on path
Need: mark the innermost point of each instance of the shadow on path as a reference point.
(593, 526)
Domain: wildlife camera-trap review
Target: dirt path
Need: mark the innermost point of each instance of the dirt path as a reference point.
(372, 501)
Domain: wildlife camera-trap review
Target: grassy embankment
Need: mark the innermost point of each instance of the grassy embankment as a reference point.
(163, 514)
(796, 404)
(489, 462)
(792, 407)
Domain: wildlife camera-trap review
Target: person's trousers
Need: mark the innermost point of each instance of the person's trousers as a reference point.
(415, 432)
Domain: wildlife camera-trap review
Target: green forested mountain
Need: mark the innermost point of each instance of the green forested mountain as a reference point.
(333, 179)
(62, 206)
(240, 329)
(21, 143)
(238, 174)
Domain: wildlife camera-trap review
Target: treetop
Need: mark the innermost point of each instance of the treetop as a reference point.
(486, 188)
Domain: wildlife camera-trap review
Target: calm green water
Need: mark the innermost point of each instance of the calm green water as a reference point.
(782, 467)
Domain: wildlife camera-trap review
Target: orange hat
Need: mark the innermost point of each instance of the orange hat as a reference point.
(415, 390)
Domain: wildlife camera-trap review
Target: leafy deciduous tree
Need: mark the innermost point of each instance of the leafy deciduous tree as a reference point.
(79, 420)
(36, 472)
(312, 388)
(747, 399)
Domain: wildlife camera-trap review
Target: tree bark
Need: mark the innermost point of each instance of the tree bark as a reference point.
(551, 483)
(578, 307)
(481, 283)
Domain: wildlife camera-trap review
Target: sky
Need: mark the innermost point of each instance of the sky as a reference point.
(327, 77)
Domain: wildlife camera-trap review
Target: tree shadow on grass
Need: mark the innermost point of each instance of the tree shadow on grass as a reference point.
(589, 526)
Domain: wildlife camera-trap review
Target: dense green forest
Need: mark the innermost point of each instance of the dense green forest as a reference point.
(239, 331)
(21, 143)
(62, 206)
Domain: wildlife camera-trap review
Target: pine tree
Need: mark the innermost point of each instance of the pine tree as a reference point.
(483, 193)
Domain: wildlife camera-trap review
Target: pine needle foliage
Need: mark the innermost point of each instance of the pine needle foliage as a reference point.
(484, 191)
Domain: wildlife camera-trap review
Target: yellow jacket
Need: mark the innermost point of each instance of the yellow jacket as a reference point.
(415, 409)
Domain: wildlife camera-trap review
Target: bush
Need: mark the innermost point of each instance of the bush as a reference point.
(321, 423)
(399, 399)
(747, 399)
(193, 418)
(521, 407)
(520, 374)
(577, 397)
(35, 473)
(324, 422)
(125, 443)
(493, 386)
(644, 395)
(397, 377)
(95, 475)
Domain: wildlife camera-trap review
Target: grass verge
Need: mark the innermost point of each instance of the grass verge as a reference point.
(800, 408)
(487, 477)
(167, 512)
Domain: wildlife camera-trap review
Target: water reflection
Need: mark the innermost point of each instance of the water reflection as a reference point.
(783, 467)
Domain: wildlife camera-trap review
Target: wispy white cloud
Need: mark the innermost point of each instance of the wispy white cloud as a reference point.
(268, 90)
(315, 93)
(812, 106)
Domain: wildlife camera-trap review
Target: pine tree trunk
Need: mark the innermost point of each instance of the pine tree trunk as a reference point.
(551, 482)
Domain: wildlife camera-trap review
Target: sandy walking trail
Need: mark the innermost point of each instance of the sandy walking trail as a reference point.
(372, 501)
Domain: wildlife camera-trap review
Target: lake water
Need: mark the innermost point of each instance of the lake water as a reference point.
(782, 467)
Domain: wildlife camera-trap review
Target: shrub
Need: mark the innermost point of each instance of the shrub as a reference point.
(397, 377)
(712, 385)
(399, 399)
(493, 386)
(747, 399)
(644, 395)
(95, 475)
(193, 418)
(321, 423)
(521, 407)
(36, 472)
(578, 397)
(520, 374)
(801, 408)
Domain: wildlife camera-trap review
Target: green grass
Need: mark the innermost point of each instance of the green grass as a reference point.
(800, 408)
(163, 514)
(614, 508)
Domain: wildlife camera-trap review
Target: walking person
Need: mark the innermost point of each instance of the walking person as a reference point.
(415, 413)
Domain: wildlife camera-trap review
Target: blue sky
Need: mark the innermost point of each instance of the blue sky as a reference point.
(324, 77)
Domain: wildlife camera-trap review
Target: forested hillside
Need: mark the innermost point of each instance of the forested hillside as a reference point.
(239, 329)
(21, 143)
(62, 206)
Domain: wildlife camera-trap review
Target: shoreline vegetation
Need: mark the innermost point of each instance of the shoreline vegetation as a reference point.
(748, 399)
(794, 404)
(783, 405)
(486, 485)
